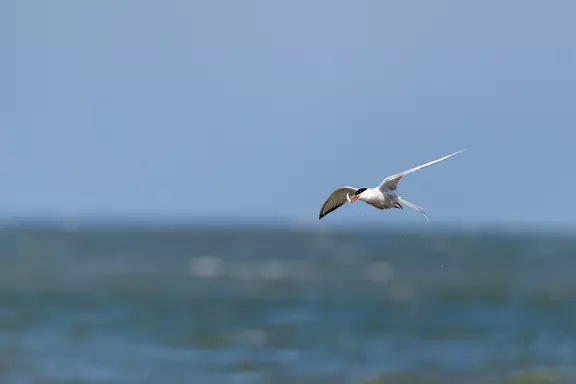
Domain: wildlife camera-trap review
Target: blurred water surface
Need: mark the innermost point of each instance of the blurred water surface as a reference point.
(208, 305)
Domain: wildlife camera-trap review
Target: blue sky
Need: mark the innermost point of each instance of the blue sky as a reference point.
(141, 108)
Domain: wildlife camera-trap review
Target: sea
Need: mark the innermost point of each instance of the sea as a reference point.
(129, 304)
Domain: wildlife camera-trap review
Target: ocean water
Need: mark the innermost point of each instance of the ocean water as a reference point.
(229, 305)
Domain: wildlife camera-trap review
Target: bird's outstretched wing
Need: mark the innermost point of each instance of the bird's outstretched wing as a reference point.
(338, 198)
(391, 182)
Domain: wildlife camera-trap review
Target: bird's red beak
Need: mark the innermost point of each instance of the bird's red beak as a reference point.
(355, 198)
(398, 205)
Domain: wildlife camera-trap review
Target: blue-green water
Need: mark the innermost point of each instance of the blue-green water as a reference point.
(210, 305)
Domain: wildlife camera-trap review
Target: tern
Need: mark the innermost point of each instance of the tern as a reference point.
(382, 197)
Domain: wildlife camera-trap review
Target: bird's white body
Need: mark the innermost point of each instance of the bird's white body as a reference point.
(382, 197)
(378, 199)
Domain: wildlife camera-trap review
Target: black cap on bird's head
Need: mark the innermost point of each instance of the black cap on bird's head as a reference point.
(357, 193)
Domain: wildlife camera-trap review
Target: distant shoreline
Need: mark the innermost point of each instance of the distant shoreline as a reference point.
(266, 224)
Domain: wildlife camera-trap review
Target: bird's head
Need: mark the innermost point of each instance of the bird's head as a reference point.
(358, 193)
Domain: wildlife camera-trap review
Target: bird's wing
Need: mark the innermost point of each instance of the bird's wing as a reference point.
(338, 198)
(391, 182)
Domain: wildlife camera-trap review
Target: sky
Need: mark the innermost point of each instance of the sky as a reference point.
(259, 109)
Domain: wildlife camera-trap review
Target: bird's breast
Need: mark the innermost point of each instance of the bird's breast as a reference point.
(381, 200)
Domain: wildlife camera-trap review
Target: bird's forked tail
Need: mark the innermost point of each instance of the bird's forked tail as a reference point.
(413, 206)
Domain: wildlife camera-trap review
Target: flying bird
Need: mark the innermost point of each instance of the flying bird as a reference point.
(382, 197)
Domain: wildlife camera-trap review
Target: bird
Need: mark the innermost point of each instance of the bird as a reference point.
(384, 196)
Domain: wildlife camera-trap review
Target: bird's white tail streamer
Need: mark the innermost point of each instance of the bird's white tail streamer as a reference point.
(413, 206)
